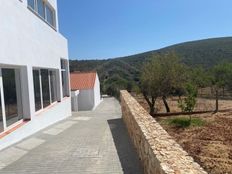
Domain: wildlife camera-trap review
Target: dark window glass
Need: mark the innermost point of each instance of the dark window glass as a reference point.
(64, 73)
(45, 87)
(37, 90)
(50, 16)
(31, 4)
(11, 98)
(62, 62)
(41, 9)
(1, 119)
(64, 83)
(53, 85)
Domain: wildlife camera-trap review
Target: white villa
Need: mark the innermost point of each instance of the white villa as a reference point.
(34, 69)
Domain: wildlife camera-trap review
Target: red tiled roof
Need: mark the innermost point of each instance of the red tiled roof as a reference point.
(82, 80)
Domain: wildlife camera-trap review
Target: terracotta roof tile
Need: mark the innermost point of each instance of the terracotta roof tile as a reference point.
(82, 80)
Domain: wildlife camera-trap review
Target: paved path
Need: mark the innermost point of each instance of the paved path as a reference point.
(93, 142)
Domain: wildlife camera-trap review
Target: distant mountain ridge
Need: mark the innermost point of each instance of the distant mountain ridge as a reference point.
(206, 53)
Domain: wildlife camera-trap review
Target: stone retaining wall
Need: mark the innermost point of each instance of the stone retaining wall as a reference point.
(158, 152)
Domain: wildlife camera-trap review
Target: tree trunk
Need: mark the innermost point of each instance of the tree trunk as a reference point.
(152, 111)
(166, 104)
(223, 92)
(216, 104)
(151, 104)
(190, 118)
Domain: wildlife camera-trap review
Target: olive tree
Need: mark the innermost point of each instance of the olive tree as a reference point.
(161, 76)
(188, 103)
(220, 78)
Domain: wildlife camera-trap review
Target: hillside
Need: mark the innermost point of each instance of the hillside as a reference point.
(123, 72)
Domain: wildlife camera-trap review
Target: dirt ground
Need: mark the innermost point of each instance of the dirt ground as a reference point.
(201, 105)
(211, 144)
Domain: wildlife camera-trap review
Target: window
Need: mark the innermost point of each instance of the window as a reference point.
(1, 116)
(37, 92)
(31, 4)
(52, 75)
(10, 97)
(45, 87)
(43, 9)
(65, 77)
(50, 15)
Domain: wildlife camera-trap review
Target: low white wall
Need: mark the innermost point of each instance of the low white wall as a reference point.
(86, 100)
(74, 100)
(52, 115)
(97, 93)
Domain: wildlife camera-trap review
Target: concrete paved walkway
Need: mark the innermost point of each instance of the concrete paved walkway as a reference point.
(86, 143)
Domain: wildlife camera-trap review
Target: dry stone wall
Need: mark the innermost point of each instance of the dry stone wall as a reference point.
(158, 152)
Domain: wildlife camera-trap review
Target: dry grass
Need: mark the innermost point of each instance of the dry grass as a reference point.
(208, 139)
(202, 104)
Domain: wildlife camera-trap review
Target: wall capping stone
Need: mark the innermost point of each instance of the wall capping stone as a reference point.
(157, 150)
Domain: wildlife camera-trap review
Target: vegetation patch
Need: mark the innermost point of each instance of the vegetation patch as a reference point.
(184, 122)
(203, 53)
(208, 139)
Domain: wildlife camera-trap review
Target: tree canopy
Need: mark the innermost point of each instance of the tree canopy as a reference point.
(161, 77)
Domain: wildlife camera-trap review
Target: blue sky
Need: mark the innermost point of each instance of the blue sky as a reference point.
(98, 29)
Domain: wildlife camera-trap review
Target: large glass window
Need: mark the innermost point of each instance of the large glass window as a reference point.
(44, 10)
(52, 75)
(11, 110)
(65, 77)
(45, 87)
(31, 4)
(41, 9)
(50, 15)
(1, 116)
(12, 98)
(37, 92)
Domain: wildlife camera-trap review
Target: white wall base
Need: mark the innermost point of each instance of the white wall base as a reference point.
(46, 118)
(96, 105)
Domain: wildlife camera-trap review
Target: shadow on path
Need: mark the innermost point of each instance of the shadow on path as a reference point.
(127, 154)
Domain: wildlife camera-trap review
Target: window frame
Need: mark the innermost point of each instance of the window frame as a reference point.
(37, 4)
(18, 89)
(53, 12)
(29, 6)
(50, 90)
(53, 84)
(65, 70)
(40, 89)
(2, 102)
(44, 18)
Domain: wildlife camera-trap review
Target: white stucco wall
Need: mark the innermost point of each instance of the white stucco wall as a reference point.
(86, 100)
(74, 95)
(97, 93)
(25, 39)
(26, 42)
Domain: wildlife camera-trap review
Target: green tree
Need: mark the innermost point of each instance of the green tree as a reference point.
(220, 78)
(199, 77)
(150, 83)
(160, 78)
(188, 103)
(113, 85)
